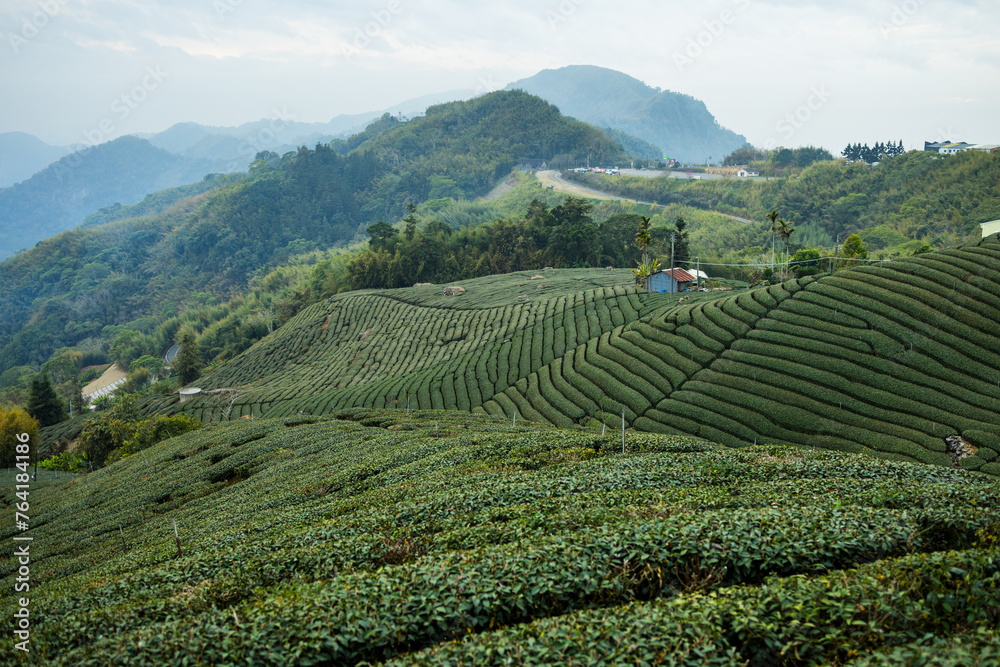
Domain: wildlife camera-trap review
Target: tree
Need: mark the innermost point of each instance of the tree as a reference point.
(805, 262)
(382, 235)
(77, 403)
(618, 246)
(783, 229)
(411, 221)
(575, 239)
(188, 365)
(43, 402)
(13, 423)
(110, 430)
(682, 254)
(853, 248)
(643, 237)
(128, 347)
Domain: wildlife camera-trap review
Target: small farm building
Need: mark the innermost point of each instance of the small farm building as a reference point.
(990, 228)
(668, 282)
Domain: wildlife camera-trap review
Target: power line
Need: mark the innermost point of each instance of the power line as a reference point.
(801, 261)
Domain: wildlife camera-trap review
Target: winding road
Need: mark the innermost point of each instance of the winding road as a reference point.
(555, 180)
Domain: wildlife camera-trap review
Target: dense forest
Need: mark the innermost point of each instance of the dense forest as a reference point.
(564, 236)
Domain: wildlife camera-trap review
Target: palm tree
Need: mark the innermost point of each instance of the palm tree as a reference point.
(785, 231)
(643, 237)
(773, 217)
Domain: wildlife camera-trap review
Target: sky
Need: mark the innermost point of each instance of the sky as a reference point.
(781, 72)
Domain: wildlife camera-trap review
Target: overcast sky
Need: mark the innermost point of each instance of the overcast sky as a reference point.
(779, 71)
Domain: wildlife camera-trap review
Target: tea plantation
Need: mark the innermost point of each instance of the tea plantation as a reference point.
(436, 538)
(892, 360)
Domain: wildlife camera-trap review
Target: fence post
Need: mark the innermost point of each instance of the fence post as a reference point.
(177, 537)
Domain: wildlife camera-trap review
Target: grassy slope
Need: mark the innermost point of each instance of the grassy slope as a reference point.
(889, 359)
(387, 537)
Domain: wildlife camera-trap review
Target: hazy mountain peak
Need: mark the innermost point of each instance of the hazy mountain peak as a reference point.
(679, 124)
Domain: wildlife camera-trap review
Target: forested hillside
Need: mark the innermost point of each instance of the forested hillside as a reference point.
(69, 287)
(917, 197)
(61, 195)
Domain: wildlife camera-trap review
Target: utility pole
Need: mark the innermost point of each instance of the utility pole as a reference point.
(697, 273)
(836, 248)
(673, 280)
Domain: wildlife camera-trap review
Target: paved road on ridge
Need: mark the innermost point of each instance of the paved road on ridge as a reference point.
(555, 180)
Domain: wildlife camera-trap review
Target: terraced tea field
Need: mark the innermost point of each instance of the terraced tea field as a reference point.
(456, 539)
(889, 359)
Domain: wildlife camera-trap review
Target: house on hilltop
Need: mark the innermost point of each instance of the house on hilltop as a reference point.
(669, 281)
(990, 228)
(953, 147)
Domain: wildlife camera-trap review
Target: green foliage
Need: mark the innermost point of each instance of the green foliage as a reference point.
(43, 403)
(805, 262)
(918, 195)
(15, 422)
(187, 364)
(562, 236)
(853, 248)
(446, 538)
(880, 151)
(110, 429)
(66, 462)
(148, 432)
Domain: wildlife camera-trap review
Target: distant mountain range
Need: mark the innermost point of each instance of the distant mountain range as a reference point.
(678, 124)
(22, 155)
(45, 190)
(61, 195)
(280, 133)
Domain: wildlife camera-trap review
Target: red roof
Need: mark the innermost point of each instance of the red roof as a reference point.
(680, 275)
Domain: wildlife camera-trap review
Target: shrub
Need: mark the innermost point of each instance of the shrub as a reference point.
(14, 422)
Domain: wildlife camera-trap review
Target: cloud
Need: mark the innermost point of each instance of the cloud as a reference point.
(897, 66)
